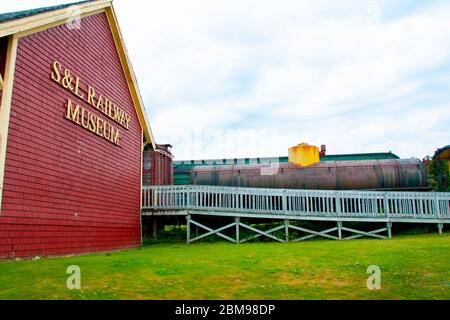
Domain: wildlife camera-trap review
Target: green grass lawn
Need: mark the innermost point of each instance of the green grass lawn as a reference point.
(413, 267)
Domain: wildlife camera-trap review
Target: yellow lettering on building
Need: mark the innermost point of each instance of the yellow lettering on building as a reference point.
(92, 122)
(77, 88)
(56, 75)
(88, 120)
(73, 114)
(84, 117)
(128, 121)
(114, 135)
(91, 95)
(99, 105)
(100, 126)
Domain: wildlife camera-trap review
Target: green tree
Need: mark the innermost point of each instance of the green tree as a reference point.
(435, 169)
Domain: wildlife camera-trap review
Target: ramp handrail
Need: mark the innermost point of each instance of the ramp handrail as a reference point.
(307, 203)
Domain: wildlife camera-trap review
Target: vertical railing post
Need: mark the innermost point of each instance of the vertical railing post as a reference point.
(196, 199)
(438, 214)
(386, 206)
(338, 204)
(188, 200)
(388, 216)
(284, 202)
(241, 205)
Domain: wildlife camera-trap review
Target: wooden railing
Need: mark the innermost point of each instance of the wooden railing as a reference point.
(317, 204)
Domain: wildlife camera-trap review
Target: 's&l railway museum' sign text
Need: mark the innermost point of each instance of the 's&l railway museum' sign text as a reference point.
(85, 118)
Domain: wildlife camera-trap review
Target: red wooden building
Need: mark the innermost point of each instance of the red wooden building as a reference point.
(72, 131)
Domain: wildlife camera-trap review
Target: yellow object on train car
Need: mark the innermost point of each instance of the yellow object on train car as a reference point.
(443, 154)
(304, 155)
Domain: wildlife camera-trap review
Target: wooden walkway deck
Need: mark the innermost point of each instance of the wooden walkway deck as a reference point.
(296, 205)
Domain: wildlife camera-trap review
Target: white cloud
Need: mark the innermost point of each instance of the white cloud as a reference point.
(317, 72)
(360, 76)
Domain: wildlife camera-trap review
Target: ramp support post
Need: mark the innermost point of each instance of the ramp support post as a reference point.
(188, 228)
(238, 221)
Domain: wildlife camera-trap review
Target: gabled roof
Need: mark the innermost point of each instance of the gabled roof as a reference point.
(26, 13)
(26, 22)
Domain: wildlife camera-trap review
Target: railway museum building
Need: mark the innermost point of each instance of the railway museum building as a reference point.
(72, 131)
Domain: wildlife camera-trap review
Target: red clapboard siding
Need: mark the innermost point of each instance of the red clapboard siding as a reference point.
(67, 190)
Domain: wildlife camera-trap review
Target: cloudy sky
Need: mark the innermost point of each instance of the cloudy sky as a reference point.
(252, 78)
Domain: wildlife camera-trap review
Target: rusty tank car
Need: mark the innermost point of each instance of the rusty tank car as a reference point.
(387, 174)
